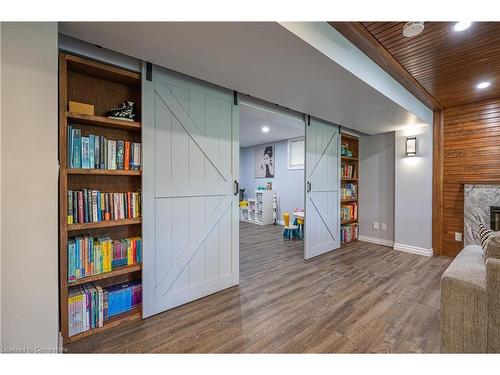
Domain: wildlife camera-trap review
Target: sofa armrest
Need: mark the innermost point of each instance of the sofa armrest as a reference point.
(493, 287)
(464, 304)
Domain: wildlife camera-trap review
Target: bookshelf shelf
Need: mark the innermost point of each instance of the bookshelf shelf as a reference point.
(347, 158)
(104, 224)
(83, 119)
(104, 172)
(349, 200)
(106, 275)
(349, 179)
(349, 221)
(105, 87)
(129, 316)
(104, 71)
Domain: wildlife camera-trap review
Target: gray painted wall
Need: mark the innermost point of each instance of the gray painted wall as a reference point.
(288, 184)
(413, 192)
(377, 185)
(29, 190)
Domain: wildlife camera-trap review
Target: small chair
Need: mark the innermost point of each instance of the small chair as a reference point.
(300, 223)
(291, 231)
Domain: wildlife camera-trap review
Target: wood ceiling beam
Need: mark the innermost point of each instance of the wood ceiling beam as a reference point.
(358, 35)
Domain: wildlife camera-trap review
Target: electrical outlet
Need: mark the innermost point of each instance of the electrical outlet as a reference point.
(375, 225)
(458, 236)
(384, 227)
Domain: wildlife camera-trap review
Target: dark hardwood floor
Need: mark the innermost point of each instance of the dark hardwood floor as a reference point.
(362, 298)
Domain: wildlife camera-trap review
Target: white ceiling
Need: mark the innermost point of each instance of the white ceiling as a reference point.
(262, 59)
(252, 119)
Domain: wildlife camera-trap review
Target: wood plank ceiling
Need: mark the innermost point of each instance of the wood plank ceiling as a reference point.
(446, 63)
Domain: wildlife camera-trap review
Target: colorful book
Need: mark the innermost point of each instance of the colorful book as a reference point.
(77, 148)
(85, 153)
(120, 150)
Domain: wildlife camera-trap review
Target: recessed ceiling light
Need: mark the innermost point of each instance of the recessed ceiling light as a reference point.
(411, 29)
(461, 26)
(483, 85)
(265, 129)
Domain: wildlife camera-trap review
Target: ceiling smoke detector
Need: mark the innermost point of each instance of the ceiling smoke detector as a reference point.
(413, 29)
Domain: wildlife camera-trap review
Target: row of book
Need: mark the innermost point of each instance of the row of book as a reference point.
(349, 211)
(91, 206)
(89, 256)
(90, 305)
(348, 233)
(349, 191)
(97, 152)
(348, 171)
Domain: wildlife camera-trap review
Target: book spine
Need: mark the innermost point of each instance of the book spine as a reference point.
(85, 206)
(106, 152)
(120, 149)
(95, 218)
(75, 206)
(139, 153)
(129, 205)
(102, 205)
(77, 148)
(98, 203)
(70, 207)
(107, 215)
(69, 146)
(111, 154)
(85, 153)
(123, 208)
(91, 151)
(126, 162)
(81, 216)
(101, 303)
(132, 166)
(71, 261)
(130, 251)
(97, 152)
(101, 153)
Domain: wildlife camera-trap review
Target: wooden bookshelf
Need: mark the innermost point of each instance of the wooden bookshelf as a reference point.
(104, 86)
(352, 143)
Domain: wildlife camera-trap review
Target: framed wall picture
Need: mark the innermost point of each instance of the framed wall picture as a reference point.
(264, 162)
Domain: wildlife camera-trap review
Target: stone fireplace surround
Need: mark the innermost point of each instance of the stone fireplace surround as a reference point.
(478, 198)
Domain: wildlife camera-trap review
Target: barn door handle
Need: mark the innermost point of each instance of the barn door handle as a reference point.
(236, 187)
(308, 186)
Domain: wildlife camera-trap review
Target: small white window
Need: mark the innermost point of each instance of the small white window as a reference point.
(296, 153)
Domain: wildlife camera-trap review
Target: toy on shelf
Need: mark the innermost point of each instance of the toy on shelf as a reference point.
(344, 150)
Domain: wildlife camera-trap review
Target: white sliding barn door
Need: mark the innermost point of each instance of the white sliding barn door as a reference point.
(191, 163)
(322, 170)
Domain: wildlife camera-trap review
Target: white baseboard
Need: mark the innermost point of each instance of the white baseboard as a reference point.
(413, 249)
(375, 240)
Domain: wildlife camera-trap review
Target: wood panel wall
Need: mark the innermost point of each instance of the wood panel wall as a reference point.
(471, 153)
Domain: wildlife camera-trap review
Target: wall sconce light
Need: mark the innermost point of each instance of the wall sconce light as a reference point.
(411, 146)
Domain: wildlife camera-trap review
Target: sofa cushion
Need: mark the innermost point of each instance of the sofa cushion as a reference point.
(492, 249)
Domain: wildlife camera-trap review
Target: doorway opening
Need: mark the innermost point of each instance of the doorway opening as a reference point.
(271, 184)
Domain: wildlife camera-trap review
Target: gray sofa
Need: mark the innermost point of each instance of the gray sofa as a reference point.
(470, 304)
